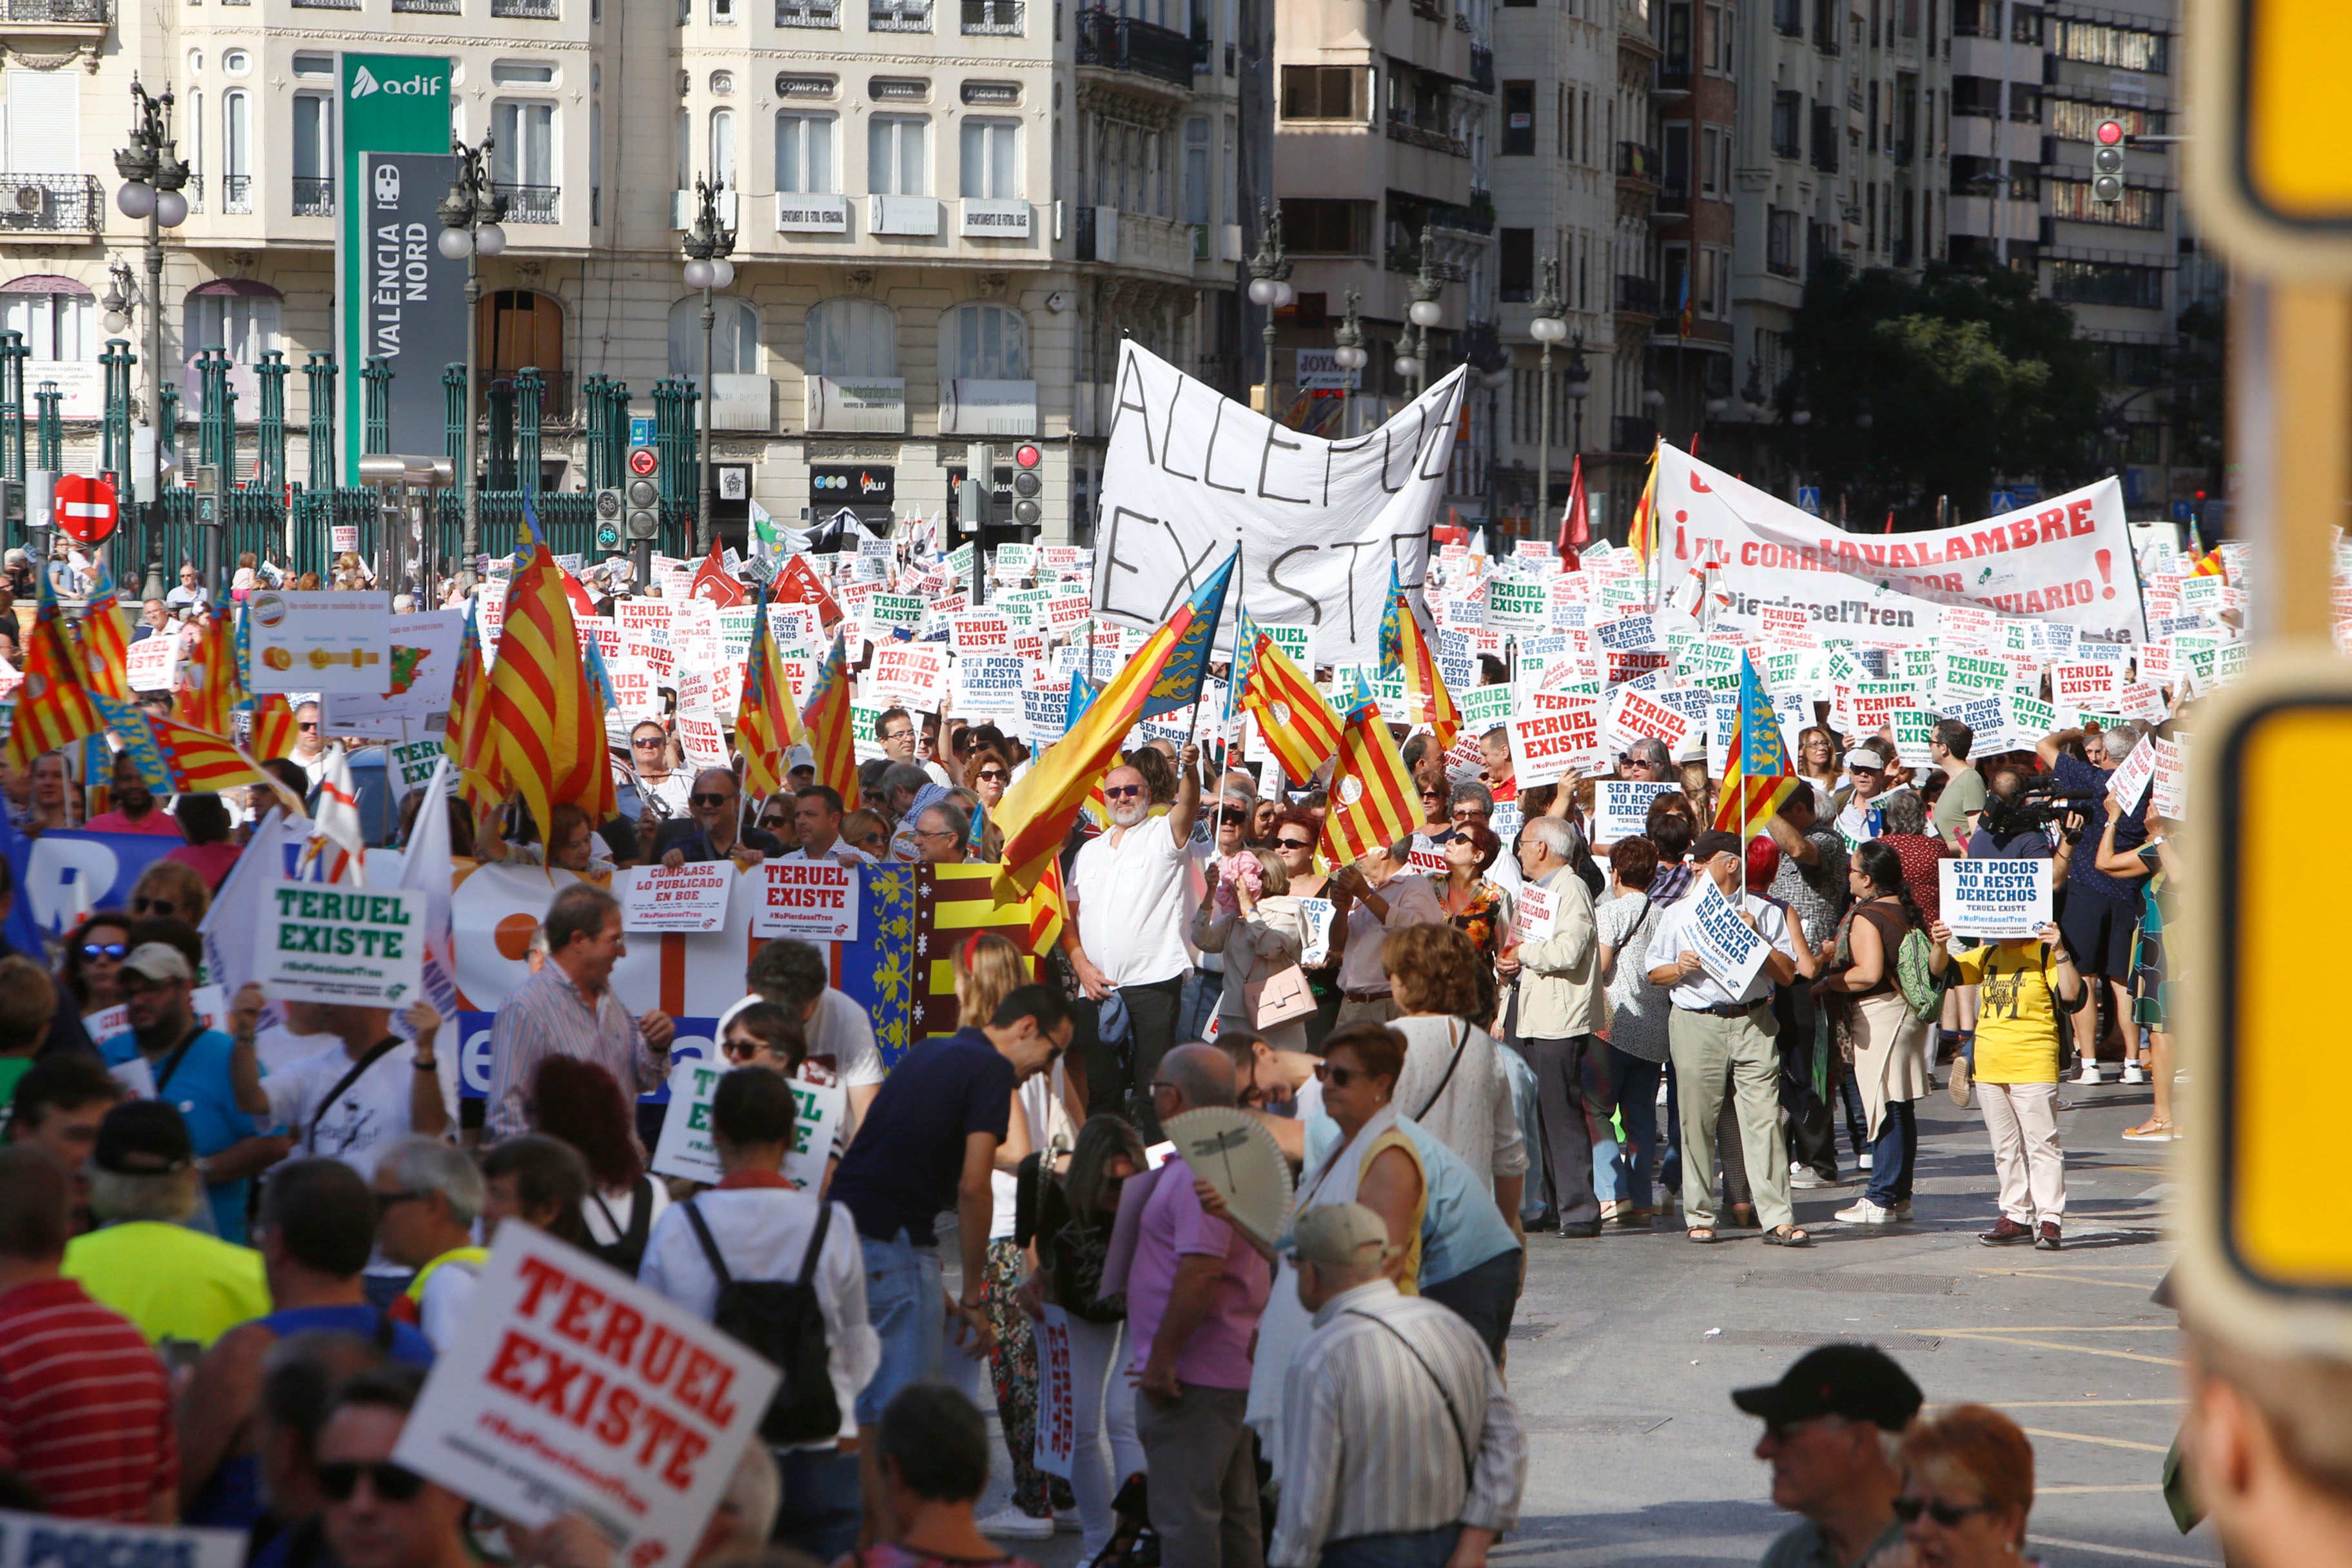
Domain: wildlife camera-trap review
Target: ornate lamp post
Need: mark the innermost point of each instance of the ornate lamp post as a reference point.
(1423, 312)
(1546, 328)
(470, 228)
(152, 175)
(708, 245)
(1348, 355)
(1269, 287)
(1579, 387)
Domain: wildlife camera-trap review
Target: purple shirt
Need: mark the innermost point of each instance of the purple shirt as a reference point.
(1173, 1227)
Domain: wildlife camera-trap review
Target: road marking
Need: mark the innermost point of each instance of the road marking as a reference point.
(2132, 1553)
(2074, 1403)
(2075, 1491)
(2103, 1442)
(2067, 1275)
(1995, 1337)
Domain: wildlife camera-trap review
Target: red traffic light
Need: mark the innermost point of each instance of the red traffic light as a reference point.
(1026, 456)
(2110, 133)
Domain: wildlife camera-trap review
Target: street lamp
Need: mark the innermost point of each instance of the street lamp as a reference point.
(1546, 328)
(1423, 313)
(708, 244)
(470, 229)
(152, 174)
(1579, 387)
(1350, 356)
(1269, 287)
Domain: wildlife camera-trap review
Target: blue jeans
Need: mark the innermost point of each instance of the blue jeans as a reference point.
(1670, 1151)
(905, 1303)
(1894, 1152)
(1202, 991)
(1415, 1549)
(1858, 1121)
(1637, 1103)
(821, 1505)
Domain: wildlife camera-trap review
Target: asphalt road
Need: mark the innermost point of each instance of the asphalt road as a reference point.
(1625, 1348)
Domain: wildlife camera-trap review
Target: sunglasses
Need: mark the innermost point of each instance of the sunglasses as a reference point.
(150, 906)
(306, 727)
(1122, 791)
(1233, 819)
(992, 775)
(93, 950)
(647, 742)
(1342, 1077)
(868, 838)
(1433, 795)
(710, 802)
(387, 1202)
(393, 1483)
(1293, 843)
(1948, 1515)
(742, 1048)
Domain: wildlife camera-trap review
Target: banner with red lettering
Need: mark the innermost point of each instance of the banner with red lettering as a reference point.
(571, 1389)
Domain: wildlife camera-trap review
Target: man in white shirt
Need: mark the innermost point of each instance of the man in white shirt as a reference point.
(1714, 1033)
(895, 728)
(817, 809)
(1370, 898)
(792, 975)
(1857, 822)
(764, 1229)
(1129, 894)
(367, 1089)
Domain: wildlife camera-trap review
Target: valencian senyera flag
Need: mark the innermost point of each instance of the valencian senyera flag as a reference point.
(53, 707)
(1179, 685)
(1294, 720)
(1372, 803)
(825, 719)
(1759, 772)
(1405, 650)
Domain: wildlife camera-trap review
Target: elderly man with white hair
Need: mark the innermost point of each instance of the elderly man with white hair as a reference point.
(1562, 1006)
(1130, 896)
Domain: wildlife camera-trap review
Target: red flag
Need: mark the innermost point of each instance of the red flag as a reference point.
(1890, 519)
(1576, 523)
(713, 582)
(577, 592)
(796, 584)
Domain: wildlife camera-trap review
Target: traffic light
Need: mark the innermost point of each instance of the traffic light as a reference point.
(2107, 161)
(976, 495)
(610, 505)
(1026, 484)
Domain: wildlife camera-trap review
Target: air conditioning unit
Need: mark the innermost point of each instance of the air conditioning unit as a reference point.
(29, 199)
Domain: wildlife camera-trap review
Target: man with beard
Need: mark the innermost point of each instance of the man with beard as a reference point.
(1127, 890)
(135, 808)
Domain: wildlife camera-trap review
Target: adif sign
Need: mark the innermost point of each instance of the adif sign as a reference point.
(1188, 474)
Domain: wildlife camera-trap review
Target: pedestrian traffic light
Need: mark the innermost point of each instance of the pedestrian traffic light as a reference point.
(1027, 482)
(2107, 161)
(611, 503)
(976, 495)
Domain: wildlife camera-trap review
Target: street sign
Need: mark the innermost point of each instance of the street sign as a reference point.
(2253, 913)
(642, 461)
(641, 429)
(86, 507)
(1808, 499)
(2271, 166)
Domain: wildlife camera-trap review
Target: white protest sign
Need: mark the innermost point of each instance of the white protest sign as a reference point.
(686, 1149)
(1321, 524)
(1318, 914)
(1547, 746)
(699, 733)
(815, 901)
(2171, 775)
(45, 1541)
(571, 1389)
(149, 664)
(909, 675)
(335, 644)
(1999, 900)
(1057, 1402)
(424, 652)
(2133, 774)
(2093, 684)
(692, 897)
(1731, 950)
(1534, 916)
(342, 945)
(1634, 716)
(1620, 807)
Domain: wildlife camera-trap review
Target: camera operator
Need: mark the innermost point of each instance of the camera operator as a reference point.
(2010, 828)
(2099, 913)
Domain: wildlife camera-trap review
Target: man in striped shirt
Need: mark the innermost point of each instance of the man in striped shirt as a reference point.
(1405, 1448)
(85, 1405)
(568, 1009)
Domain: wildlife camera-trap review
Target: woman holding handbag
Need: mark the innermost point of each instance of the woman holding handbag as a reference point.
(1251, 917)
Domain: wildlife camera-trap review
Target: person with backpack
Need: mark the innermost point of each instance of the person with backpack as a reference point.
(782, 1271)
(1891, 978)
(2024, 986)
(581, 1103)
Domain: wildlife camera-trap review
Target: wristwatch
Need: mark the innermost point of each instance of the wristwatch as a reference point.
(425, 1063)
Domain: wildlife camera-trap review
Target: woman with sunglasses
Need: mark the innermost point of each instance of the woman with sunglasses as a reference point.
(1292, 837)
(658, 789)
(1819, 763)
(1249, 919)
(988, 772)
(866, 830)
(1967, 1488)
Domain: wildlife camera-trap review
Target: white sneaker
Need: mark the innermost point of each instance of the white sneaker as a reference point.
(1865, 1159)
(1862, 1211)
(2133, 1073)
(2090, 1074)
(1012, 1524)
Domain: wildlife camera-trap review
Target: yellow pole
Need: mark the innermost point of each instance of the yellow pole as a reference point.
(2293, 383)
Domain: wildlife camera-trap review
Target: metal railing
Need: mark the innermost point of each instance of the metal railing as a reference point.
(53, 10)
(1124, 43)
(1402, 130)
(50, 204)
(237, 193)
(1482, 67)
(534, 10)
(533, 204)
(314, 196)
(326, 4)
(1005, 19)
(1637, 161)
(898, 16)
(438, 7)
(808, 14)
(1636, 294)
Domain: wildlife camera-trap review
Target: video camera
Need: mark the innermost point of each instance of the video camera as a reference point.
(2036, 806)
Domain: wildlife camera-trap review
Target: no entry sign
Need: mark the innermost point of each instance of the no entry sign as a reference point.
(86, 508)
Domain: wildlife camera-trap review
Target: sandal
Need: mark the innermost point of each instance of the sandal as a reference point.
(1702, 1233)
(2151, 1130)
(1794, 1235)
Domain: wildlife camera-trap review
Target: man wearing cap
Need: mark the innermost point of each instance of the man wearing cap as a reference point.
(1830, 1425)
(1714, 1033)
(203, 1071)
(1857, 821)
(1403, 1447)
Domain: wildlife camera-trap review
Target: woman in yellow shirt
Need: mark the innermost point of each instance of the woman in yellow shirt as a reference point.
(2023, 985)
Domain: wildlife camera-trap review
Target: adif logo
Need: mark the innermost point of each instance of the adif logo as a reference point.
(418, 85)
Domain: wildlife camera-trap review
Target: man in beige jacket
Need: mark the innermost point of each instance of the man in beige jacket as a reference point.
(1561, 1006)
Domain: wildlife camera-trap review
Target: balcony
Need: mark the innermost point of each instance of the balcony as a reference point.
(436, 7)
(1125, 44)
(808, 14)
(1482, 67)
(1673, 75)
(326, 4)
(998, 19)
(898, 16)
(314, 196)
(1637, 163)
(49, 204)
(237, 193)
(1636, 295)
(532, 203)
(1412, 135)
(78, 13)
(534, 10)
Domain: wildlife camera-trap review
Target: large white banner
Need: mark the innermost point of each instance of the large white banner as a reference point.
(1189, 474)
(2066, 559)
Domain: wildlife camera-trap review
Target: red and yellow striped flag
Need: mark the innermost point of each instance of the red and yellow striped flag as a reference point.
(209, 688)
(767, 719)
(1640, 534)
(105, 650)
(201, 762)
(53, 709)
(1406, 648)
(955, 903)
(1373, 804)
(479, 781)
(826, 722)
(274, 729)
(1293, 718)
(544, 727)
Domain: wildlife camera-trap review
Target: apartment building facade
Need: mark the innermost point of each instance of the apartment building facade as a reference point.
(946, 211)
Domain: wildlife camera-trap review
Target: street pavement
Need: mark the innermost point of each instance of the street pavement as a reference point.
(1625, 1348)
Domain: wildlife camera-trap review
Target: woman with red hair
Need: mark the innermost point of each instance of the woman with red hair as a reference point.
(582, 1103)
(1968, 1486)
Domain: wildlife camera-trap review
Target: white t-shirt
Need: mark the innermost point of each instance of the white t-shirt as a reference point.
(448, 1297)
(280, 1046)
(1701, 989)
(841, 854)
(623, 1207)
(1132, 904)
(371, 1113)
(838, 1029)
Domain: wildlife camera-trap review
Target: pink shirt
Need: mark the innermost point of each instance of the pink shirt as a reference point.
(210, 861)
(1173, 1227)
(158, 822)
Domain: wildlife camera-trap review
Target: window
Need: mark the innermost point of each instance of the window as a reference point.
(237, 144)
(1977, 96)
(808, 14)
(1710, 149)
(1675, 177)
(1673, 277)
(1517, 262)
(991, 158)
(1718, 41)
(1826, 137)
(222, 315)
(804, 163)
(314, 154)
(1197, 177)
(59, 325)
(1519, 119)
(1781, 240)
(990, 343)
(525, 153)
(2140, 208)
(722, 148)
(313, 65)
(1319, 93)
(522, 73)
(734, 337)
(1788, 111)
(2025, 103)
(2025, 26)
(2072, 121)
(1319, 226)
(2097, 44)
(237, 62)
(1975, 18)
(722, 12)
(895, 162)
(852, 338)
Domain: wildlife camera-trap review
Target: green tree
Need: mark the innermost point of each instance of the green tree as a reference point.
(1966, 378)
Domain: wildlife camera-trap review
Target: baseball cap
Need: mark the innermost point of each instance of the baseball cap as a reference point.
(1711, 843)
(143, 1138)
(1867, 757)
(1341, 1234)
(1860, 1383)
(159, 960)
